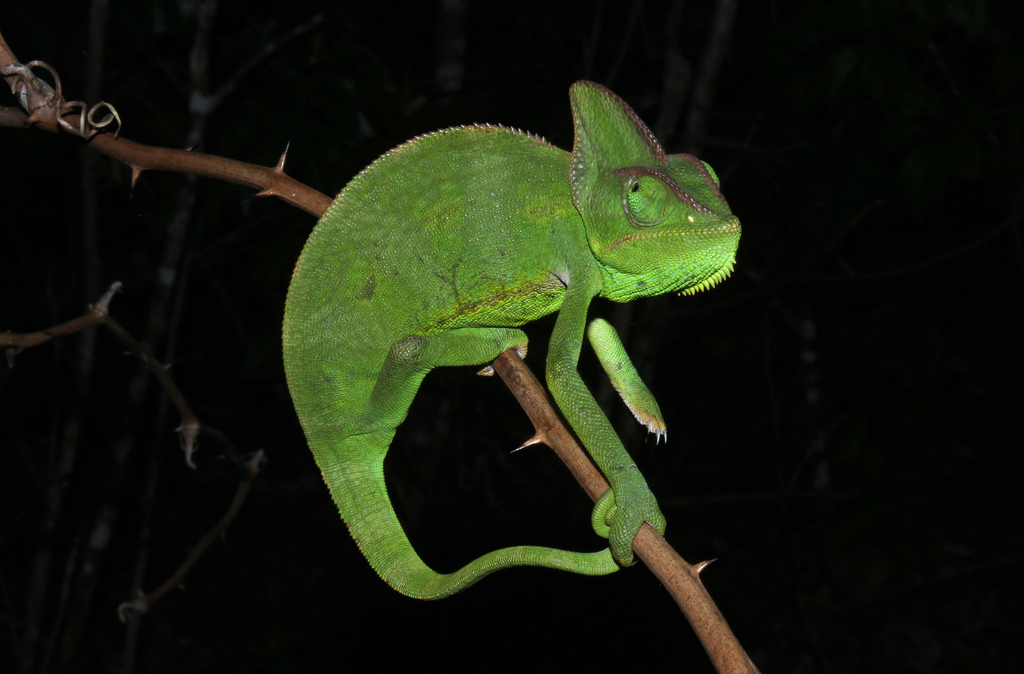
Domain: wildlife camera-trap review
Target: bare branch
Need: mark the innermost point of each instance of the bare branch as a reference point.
(47, 110)
(268, 49)
(13, 117)
(142, 602)
(268, 180)
(15, 343)
(189, 427)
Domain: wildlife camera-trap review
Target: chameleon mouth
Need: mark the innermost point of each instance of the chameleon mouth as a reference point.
(728, 227)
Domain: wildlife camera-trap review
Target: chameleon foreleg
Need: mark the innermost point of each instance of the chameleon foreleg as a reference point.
(634, 502)
(625, 378)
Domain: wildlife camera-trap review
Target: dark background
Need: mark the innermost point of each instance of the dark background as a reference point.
(844, 412)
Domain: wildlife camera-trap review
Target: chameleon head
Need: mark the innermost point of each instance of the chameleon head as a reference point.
(657, 223)
(668, 230)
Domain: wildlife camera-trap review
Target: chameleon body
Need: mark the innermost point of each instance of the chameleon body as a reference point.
(436, 252)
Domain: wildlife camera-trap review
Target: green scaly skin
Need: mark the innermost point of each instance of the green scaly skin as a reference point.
(436, 252)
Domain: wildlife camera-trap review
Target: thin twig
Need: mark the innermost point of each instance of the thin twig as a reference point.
(143, 601)
(15, 343)
(268, 50)
(189, 428)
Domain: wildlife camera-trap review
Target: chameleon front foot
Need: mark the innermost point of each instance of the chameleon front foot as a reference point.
(625, 378)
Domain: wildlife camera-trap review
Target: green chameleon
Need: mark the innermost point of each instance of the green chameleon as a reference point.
(436, 251)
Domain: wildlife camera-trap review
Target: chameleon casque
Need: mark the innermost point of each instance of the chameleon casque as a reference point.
(436, 252)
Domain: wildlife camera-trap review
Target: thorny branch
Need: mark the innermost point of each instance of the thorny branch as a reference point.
(143, 601)
(98, 314)
(14, 343)
(45, 108)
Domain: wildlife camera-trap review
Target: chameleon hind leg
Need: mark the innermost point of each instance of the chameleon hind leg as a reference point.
(362, 496)
(411, 358)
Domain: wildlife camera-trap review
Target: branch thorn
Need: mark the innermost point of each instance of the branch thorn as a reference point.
(537, 439)
(699, 568)
(280, 162)
(255, 462)
(188, 431)
(104, 302)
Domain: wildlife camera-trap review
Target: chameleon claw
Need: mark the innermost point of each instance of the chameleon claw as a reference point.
(654, 424)
(659, 431)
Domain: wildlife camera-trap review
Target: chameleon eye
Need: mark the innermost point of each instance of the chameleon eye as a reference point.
(711, 171)
(645, 200)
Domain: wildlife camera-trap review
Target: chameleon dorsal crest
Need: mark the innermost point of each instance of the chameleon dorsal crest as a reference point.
(439, 250)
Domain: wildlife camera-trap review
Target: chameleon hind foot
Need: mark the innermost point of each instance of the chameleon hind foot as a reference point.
(620, 525)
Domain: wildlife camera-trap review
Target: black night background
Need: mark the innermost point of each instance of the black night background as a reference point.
(844, 413)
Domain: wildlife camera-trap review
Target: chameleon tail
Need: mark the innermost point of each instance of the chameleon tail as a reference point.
(364, 504)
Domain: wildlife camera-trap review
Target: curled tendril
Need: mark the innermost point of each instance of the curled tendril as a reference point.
(41, 100)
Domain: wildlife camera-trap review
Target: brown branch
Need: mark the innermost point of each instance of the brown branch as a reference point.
(188, 430)
(14, 117)
(46, 109)
(270, 181)
(680, 578)
(143, 601)
(44, 106)
(15, 343)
